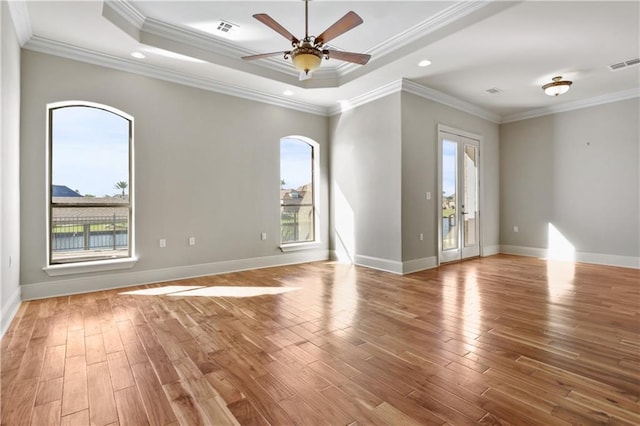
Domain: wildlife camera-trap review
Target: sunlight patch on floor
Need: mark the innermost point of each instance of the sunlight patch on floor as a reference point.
(215, 291)
(561, 266)
(158, 291)
(233, 291)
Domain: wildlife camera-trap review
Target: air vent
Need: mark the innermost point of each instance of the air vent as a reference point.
(226, 26)
(494, 90)
(624, 64)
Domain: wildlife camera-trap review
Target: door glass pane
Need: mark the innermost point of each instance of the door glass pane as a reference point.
(449, 214)
(470, 206)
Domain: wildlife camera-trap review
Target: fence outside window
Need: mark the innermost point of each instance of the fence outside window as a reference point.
(70, 236)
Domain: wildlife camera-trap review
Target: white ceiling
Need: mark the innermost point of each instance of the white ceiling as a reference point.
(473, 46)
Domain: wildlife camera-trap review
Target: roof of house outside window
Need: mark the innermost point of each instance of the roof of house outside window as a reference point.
(63, 191)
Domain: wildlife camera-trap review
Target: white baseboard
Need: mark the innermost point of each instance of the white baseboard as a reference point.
(489, 250)
(396, 267)
(583, 257)
(9, 310)
(419, 264)
(609, 259)
(385, 265)
(128, 279)
(523, 251)
(392, 266)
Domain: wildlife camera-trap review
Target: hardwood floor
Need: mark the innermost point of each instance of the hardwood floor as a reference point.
(497, 340)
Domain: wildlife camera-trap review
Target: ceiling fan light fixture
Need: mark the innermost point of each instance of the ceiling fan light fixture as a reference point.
(306, 58)
(557, 87)
(308, 52)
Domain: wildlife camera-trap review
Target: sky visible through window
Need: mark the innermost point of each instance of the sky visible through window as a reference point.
(449, 168)
(295, 163)
(90, 150)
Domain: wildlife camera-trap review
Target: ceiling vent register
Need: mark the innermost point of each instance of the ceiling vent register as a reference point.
(624, 64)
(226, 27)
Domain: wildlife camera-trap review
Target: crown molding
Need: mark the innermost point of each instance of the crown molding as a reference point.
(124, 16)
(47, 46)
(189, 37)
(420, 30)
(148, 30)
(570, 106)
(409, 86)
(428, 26)
(405, 85)
(51, 47)
(21, 20)
(448, 100)
(126, 11)
(142, 25)
(365, 98)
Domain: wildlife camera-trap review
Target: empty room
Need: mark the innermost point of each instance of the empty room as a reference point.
(319, 212)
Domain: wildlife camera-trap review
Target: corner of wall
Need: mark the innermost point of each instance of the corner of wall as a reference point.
(9, 310)
(10, 290)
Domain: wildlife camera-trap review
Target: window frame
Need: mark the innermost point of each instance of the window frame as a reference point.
(88, 265)
(315, 179)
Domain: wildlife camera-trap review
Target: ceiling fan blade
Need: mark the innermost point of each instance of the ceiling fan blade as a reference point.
(342, 25)
(356, 58)
(271, 23)
(263, 55)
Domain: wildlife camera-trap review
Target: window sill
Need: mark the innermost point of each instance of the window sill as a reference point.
(299, 246)
(93, 266)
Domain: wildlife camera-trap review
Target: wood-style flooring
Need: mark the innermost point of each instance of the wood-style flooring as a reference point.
(497, 340)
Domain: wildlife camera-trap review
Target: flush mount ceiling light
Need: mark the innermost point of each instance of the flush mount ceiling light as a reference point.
(557, 87)
(424, 63)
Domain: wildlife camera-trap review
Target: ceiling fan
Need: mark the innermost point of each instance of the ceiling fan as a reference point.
(307, 54)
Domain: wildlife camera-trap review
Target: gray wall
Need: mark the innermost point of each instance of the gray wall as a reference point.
(578, 171)
(383, 161)
(366, 182)
(420, 119)
(206, 165)
(9, 169)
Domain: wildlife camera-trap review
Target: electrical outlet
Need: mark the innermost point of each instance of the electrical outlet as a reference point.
(163, 243)
(428, 195)
(263, 236)
(515, 229)
(192, 241)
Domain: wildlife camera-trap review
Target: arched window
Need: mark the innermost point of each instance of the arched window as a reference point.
(298, 190)
(90, 185)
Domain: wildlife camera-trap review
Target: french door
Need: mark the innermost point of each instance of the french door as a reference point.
(459, 218)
